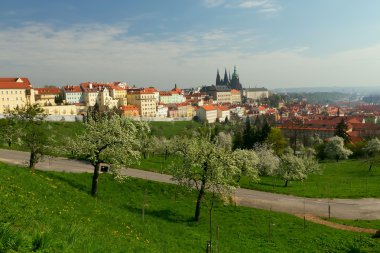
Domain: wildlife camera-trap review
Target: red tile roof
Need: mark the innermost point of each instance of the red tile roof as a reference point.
(15, 83)
(208, 107)
(71, 88)
(223, 108)
(53, 91)
(129, 108)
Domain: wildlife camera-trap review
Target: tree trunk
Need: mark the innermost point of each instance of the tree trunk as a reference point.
(199, 200)
(286, 183)
(32, 160)
(95, 179)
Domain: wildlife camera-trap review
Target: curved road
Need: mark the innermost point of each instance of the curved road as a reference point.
(368, 209)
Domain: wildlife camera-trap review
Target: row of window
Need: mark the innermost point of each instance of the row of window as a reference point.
(21, 99)
(11, 92)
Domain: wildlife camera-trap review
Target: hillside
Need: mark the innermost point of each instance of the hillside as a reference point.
(49, 212)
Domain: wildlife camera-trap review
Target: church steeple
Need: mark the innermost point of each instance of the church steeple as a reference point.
(235, 82)
(217, 82)
(225, 80)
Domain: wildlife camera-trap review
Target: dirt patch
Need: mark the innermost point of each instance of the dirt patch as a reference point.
(318, 220)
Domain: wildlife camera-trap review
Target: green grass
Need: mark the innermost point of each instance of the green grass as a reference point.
(346, 179)
(156, 163)
(60, 130)
(171, 129)
(53, 212)
(375, 224)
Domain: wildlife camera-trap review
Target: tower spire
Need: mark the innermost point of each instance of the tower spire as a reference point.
(225, 80)
(217, 82)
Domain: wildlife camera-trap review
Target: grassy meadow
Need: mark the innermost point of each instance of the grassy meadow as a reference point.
(345, 179)
(54, 212)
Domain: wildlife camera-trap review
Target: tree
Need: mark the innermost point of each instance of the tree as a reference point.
(335, 149)
(294, 168)
(372, 149)
(145, 144)
(224, 140)
(247, 134)
(205, 166)
(277, 140)
(31, 129)
(238, 141)
(247, 161)
(268, 160)
(58, 99)
(341, 131)
(113, 140)
(9, 131)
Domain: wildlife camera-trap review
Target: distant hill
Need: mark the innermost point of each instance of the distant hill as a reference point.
(359, 90)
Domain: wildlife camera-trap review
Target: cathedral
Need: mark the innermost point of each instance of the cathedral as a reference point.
(228, 81)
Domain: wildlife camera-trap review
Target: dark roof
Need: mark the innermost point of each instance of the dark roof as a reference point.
(256, 89)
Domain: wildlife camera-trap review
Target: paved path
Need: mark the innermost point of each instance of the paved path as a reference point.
(368, 208)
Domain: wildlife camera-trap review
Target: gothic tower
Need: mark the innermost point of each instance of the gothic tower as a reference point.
(218, 81)
(235, 82)
(226, 81)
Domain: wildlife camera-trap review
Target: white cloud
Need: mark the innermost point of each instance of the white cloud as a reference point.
(48, 55)
(263, 6)
(212, 3)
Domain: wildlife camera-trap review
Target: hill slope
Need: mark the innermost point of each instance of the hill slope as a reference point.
(49, 211)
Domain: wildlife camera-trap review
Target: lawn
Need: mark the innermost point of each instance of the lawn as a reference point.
(375, 224)
(60, 130)
(53, 212)
(345, 179)
(171, 129)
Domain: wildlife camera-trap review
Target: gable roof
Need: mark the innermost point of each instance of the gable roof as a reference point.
(15, 83)
(51, 90)
(208, 107)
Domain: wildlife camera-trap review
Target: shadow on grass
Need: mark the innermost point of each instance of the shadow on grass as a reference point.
(164, 214)
(272, 185)
(72, 183)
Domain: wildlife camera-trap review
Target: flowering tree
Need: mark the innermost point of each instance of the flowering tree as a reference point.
(296, 168)
(224, 140)
(268, 161)
(247, 161)
(335, 149)
(28, 126)
(113, 140)
(372, 149)
(206, 167)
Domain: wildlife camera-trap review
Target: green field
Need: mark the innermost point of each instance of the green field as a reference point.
(60, 130)
(171, 129)
(375, 224)
(346, 179)
(54, 212)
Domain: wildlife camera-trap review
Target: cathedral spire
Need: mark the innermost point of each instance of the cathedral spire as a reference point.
(225, 80)
(217, 82)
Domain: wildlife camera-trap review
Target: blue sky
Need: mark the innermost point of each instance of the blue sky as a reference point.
(273, 43)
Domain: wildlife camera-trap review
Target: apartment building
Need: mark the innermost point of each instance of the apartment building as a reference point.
(144, 100)
(73, 94)
(207, 113)
(256, 93)
(223, 113)
(235, 96)
(46, 96)
(15, 92)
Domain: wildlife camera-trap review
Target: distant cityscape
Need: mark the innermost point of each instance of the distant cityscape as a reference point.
(297, 116)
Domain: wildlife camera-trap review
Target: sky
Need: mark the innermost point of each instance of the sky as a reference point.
(273, 43)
